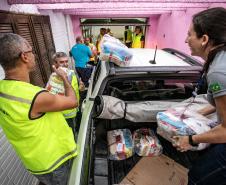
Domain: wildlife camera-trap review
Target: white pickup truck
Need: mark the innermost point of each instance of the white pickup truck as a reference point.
(143, 80)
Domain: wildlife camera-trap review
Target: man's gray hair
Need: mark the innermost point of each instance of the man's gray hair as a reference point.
(11, 46)
(58, 55)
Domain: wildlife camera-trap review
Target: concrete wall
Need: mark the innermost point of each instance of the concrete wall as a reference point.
(2, 74)
(62, 30)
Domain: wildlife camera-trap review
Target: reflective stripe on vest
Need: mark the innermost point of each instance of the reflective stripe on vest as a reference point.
(43, 143)
(70, 114)
(136, 41)
(50, 168)
(10, 97)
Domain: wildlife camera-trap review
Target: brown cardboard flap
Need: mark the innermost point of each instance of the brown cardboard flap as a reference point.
(159, 170)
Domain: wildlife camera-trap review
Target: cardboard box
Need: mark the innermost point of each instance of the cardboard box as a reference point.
(159, 170)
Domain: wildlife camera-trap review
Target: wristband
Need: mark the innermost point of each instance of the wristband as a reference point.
(191, 141)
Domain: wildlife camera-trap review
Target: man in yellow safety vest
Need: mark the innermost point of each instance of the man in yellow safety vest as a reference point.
(93, 48)
(31, 117)
(60, 59)
(128, 37)
(99, 39)
(138, 38)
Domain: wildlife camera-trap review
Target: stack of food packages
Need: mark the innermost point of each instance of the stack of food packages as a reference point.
(115, 51)
(146, 143)
(182, 121)
(122, 146)
(55, 84)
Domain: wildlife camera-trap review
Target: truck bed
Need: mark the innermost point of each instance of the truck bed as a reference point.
(109, 172)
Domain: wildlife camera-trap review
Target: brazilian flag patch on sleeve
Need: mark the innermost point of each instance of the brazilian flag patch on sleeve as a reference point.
(215, 87)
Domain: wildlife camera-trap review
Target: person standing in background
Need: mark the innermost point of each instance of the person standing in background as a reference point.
(128, 37)
(81, 55)
(60, 59)
(93, 48)
(99, 39)
(108, 31)
(138, 38)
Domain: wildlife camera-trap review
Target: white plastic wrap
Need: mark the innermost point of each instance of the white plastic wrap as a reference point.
(120, 144)
(146, 143)
(113, 50)
(177, 121)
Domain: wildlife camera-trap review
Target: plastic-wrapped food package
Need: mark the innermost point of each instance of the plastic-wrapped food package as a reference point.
(179, 121)
(113, 50)
(146, 143)
(55, 84)
(120, 144)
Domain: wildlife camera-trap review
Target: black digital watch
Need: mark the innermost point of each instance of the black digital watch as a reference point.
(191, 141)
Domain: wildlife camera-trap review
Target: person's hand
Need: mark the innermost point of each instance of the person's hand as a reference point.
(181, 143)
(60, 72)
(209, 109)
(81, 85)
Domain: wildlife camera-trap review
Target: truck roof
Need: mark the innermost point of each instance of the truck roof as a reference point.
(144, 57)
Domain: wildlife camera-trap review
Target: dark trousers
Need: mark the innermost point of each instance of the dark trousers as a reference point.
(72, 123)
(84, 74)
(57, 177)
(210, 168)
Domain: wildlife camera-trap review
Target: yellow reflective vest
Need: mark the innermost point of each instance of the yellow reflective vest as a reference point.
(129, 37)
(136, 41)
(99, 39)
(71, 113)
(42, 143)
(92, 47)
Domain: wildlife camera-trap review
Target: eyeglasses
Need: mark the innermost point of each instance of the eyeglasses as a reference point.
(63, 61)
(32, 51)
(29, 51)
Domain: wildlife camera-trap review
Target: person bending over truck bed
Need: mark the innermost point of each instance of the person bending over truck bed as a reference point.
(207, 39)
(30, 116)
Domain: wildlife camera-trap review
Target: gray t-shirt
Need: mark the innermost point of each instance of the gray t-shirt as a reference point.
(216, 78)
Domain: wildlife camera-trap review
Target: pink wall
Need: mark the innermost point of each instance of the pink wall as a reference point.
(150, 39)
(76, 26)
(166, 30)
(171, 29)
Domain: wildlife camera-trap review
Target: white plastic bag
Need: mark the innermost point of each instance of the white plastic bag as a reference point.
(146, 143)
(120, 144)
(113, 50)
(55, 84)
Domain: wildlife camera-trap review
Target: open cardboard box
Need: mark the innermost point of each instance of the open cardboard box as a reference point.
(159, 170)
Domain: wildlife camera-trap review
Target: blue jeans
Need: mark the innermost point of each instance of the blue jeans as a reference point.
(58, 176)
(209, 169)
